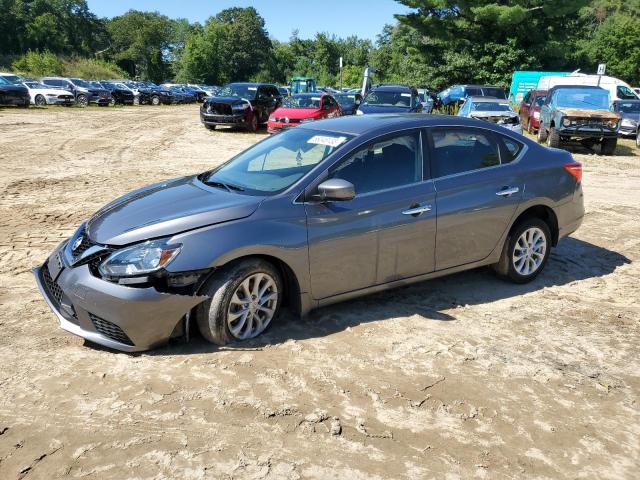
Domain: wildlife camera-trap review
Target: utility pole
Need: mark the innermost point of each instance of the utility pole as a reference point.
(340, 73)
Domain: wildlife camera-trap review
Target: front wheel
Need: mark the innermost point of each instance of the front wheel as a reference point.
(525, 252)
(82, 100)
(209, 127)
(542, 134)
(553, 139)
(244, 298)
(253, 125)
(638, 139)
(155, 100)
(40, 101)
(608, 146)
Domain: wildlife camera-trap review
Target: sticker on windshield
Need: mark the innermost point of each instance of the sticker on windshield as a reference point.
(328, 141)
(252, 88)
(405, 94)
(315, 98)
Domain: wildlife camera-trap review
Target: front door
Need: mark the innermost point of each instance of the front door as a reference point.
(386, 232)
(478, 191)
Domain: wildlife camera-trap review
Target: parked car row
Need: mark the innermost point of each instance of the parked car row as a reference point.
(20, 91)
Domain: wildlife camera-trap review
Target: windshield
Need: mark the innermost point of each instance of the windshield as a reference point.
(35, 85)
(629, 107)
(4, 82)
(388, 99)
(276, 163)
(345, 99)
(302, 101)
(493, 92)
(80, 83)
(490, 107)
(583, 98)
(12, 78)
(242, 91)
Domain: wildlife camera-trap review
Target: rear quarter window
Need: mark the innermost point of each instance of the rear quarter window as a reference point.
(509, 149)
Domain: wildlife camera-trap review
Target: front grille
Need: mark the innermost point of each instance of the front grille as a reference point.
(110, 330)
(219, 108)
(83, 247)
(287, 120)
(52, 288)
(587, 122)
(65, 97)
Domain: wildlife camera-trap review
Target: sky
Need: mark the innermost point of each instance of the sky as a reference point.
(364, 18)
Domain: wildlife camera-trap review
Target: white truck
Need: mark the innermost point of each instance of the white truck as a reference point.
(618, 90)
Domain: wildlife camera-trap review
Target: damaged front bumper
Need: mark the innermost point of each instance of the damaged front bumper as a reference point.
(130, 319)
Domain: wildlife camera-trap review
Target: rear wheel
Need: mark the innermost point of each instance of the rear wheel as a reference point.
(525, 252)
(553, 140)
(542, 134)
(244, 298)
(40, 101)
(608, 146)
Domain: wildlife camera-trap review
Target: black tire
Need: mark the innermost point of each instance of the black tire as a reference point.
(209, 127)
(253, 124)
(542, 134)
(638, 139)
(553, 140)
(211, 315)
(40, 101)
(82, 100)
(608, 146)
(155, 100)
(505, 267)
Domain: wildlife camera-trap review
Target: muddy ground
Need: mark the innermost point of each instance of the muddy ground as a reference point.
(461, 377)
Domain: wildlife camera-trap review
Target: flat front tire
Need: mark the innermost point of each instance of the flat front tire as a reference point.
(553, 139)
(542, 134)
(244, 298)
(525, 251)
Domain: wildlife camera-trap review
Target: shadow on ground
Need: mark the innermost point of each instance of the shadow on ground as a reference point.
(573, 260)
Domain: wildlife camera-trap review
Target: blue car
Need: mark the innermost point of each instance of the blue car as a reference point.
(391, 99)
(321, 213)
(458, 93)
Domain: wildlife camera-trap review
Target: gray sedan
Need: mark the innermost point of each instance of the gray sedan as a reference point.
(314, 215)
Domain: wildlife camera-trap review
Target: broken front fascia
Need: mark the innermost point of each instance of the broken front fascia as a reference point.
(121, 317)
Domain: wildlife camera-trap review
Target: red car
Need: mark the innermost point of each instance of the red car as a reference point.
(301, 108)
(530, 110)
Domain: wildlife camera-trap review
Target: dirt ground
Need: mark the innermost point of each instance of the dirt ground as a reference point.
(457, 378)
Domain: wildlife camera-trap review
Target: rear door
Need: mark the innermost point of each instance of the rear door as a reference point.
(524, 109)
(386, 232)
(478, 189)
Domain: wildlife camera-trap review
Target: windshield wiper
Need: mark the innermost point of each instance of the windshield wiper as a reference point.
(228, 186)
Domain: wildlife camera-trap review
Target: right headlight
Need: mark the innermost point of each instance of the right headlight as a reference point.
(139, 259)
(359, 112)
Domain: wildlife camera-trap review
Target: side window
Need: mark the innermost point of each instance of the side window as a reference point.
(527, 99)
(388, 163)
(457, 150)
(509, 149)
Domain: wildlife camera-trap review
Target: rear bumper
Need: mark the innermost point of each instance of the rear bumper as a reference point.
(122, 318)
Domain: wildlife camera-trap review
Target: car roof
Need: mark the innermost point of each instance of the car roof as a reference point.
(251, 84)
(480, 86)
(392, 88)
(488, 99)
(388, 122)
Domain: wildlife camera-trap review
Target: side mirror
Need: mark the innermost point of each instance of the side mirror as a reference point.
(337, 190)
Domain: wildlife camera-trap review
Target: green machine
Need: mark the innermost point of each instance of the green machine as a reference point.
(303, 85)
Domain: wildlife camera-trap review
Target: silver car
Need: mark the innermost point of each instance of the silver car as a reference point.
(495, 110)
(318, 214)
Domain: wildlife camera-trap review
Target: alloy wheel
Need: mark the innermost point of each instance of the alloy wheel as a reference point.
(252, 306)
(529, 251)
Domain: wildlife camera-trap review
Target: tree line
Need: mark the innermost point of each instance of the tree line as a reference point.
(436, 44)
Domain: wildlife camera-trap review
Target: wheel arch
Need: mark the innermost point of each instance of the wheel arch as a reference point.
(544, 213)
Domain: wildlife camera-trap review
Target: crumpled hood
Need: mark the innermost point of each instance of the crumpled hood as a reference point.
(229, 100)
(588, 113)
(167, 208)
(374, 109)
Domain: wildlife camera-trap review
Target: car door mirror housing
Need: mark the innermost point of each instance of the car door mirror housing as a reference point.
(336, 190)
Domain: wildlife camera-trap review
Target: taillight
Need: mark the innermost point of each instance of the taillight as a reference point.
(574, 169)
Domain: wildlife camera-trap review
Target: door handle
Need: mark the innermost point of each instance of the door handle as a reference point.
(507, 192)
(415, 211)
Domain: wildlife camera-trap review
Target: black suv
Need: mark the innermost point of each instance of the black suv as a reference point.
(244, 105)
(391, 99)
(11, 94)
(84, 92)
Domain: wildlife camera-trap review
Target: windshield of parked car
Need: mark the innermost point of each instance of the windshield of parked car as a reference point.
(493, 92)
(12, 78)
(35, 85)
(583, 98)
(490, 107)
(629, 107)
(387, 99)
(277, 162)
(345, 98)
(236, 90)
(302, 101)
(540, 100)
(80, 83)
(4, 82)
